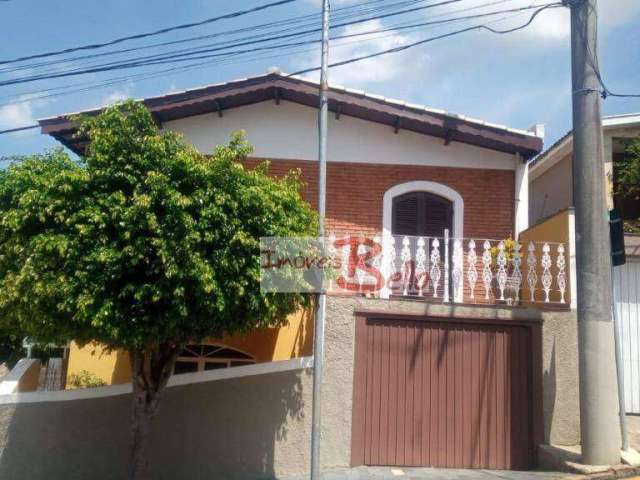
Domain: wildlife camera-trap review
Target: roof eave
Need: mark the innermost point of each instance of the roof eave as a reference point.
(350, 103)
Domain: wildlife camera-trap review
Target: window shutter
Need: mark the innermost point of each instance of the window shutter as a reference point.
(421, 213)
(437, 215)
(405, 215)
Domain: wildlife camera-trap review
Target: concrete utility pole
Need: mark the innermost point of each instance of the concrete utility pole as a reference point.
(598, 391)
(318, 339)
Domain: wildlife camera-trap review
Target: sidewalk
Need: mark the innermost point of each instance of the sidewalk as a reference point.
(405, 473)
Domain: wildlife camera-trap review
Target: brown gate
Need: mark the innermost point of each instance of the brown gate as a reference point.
(445, 393)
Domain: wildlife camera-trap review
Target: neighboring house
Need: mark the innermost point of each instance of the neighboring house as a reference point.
(551, 194)
(473, 368)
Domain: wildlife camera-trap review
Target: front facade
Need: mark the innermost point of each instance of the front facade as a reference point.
(446, 196)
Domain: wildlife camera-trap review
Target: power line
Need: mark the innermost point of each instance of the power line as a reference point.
(344, 12)
(150, 60)
(431, 39)
(19, 129)
(180, 58)
(395, 49)
(116, 80)
(150, 34)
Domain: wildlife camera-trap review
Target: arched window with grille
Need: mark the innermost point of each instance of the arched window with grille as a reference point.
(203, 357)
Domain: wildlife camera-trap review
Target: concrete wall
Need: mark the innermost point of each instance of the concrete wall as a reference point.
(251, 427)
(23, 377)
(256, 426)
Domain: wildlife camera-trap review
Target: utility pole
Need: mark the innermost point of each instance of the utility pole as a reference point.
(318, 339)
(600, 436)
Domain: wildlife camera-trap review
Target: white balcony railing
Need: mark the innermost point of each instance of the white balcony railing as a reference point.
(460, 270)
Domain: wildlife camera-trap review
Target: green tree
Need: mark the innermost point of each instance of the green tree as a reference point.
(627, 177)
(144, 245)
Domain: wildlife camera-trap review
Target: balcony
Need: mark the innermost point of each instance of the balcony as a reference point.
(452, 270)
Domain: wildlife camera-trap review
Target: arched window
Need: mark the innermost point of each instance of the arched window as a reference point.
(422, 208)
(199, 358)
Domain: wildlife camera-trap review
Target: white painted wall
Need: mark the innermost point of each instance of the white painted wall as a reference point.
(627, 303)
(522, 196)
(550, 191)
(289, 131)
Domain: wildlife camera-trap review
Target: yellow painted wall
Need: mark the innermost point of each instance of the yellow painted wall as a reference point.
(266, 345)
(111, 367)
(551, 229)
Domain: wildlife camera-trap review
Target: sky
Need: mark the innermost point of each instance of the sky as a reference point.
(517, 79)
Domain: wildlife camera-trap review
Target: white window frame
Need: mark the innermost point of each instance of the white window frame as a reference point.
(424, 186)
(202, 360)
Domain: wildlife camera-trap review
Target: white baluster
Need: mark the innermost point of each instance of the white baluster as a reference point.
(532, 275)
(346, 253)
(445, 284)
(562, 276)
(487, 275)
(389, 264)
(331, 253)
(501, 261)
(405, 258)
(435, 266)
(516, 276)
(376, 262)
(361, 274)
(546, 278)
(472, 272)
(421, 265)
(457, 272)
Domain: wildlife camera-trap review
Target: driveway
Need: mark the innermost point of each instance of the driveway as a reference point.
(379, 473)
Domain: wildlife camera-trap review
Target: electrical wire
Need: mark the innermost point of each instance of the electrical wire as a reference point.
(151, 34)
(395, 49)
(281, 25)
(151, 60)
(592, 61)
(431, 39)
(28, 96)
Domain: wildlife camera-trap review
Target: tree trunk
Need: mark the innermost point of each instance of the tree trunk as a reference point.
(144, 409)
(150, 369)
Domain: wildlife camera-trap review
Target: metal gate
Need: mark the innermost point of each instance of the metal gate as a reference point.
(444, 393)
(627, 301)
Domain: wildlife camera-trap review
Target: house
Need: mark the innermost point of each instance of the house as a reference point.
(474, 366)
(550, 202)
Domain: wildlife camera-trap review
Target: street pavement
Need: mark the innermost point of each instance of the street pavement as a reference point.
(395, 473)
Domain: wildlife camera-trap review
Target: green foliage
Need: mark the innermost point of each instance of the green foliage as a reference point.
(85, 379)
(628, 179)
(628, 170)
(144, 241)
(10, 348)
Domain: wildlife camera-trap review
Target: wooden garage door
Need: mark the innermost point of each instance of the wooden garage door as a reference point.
(443, 394)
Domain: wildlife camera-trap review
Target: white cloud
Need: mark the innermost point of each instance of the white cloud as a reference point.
(118, 95)
(17, 115)
(371, 71)
(115, 96)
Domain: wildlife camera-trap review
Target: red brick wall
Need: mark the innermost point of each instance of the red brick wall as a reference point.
(355, 193)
